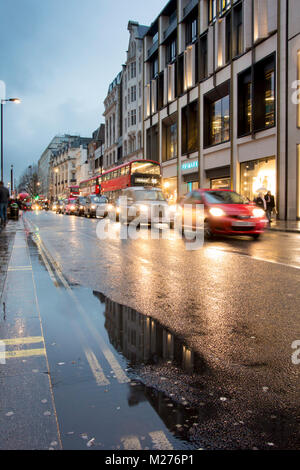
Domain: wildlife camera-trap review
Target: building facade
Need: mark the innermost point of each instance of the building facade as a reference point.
(68, 166)
(96, 151)
(220, 97)
(132, 95)
(44, 163)
(113, 124)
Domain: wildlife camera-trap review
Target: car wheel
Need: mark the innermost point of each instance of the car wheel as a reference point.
(208, 234)
(256, 236)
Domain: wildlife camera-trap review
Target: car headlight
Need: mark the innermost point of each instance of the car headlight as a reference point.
(118, 210)
(81, 207)
(258, 213)
(93, 207)
(72, 208)
(216, 212)
(110, 207)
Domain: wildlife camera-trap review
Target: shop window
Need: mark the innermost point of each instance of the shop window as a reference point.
(258, 176)
(244, 103)
(220, 183)
(217, 116)
(190, 128)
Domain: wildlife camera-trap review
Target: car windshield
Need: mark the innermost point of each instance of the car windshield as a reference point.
(149, 195)
(95, 199)
(224, 197)
(81, 200)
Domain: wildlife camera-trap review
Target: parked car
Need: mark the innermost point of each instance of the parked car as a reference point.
(70, 207)
(148, 204)
(225, 213)
(79, 205)
(90, 207)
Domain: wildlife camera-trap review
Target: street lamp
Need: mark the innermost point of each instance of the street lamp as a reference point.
(13, 100)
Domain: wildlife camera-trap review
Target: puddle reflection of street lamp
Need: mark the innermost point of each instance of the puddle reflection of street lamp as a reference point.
(13, 100)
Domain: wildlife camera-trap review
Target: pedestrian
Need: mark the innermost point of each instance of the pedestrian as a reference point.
(4, 198)
(261, 202)
(270, 205)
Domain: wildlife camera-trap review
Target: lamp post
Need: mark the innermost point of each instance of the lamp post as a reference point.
(14, 100)
(12, 179)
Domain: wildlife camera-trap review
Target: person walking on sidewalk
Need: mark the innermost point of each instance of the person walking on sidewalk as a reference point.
(270, 203)
(4, 198)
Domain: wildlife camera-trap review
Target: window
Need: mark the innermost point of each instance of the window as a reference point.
(154, 68)
(238, 45)
(152, 143)
(140, 89)
(203, 57)
(140, 65)
(244, 103)
(133, 117)
(128, 95)
(133, 94)
(191, 31)
(171, 51)
(228, 38)
(140, 113)
(190, 128)
(224, 5)
(133, 69)
(217, 115)
(170, 135)
(264, 94)
(212, 10)
(180, 72)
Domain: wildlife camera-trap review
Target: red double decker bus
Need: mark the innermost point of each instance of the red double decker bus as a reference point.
(110, 183)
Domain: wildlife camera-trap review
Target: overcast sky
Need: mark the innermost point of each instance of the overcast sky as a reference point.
(59, 57)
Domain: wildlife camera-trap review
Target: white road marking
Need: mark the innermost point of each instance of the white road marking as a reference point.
(98, 373)
(160, 440)
(131, 443)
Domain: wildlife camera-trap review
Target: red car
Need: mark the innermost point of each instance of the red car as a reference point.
(225, 213)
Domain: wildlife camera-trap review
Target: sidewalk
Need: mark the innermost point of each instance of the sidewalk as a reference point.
(27, 411)
(291, 226)
(7, 237)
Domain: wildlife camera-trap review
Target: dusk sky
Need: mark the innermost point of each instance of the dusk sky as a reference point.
(59, 57)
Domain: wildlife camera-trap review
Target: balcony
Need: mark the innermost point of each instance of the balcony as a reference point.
(190, 6)
(172, 26)
(152, 49)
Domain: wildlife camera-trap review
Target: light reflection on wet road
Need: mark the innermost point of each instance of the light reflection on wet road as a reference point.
(236, 316)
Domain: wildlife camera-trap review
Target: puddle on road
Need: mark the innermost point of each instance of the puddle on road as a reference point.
(111, 367)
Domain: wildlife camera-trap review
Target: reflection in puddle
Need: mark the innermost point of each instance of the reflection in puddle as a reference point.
(143, 340)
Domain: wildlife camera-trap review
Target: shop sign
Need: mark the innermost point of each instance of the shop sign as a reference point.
(189, 165)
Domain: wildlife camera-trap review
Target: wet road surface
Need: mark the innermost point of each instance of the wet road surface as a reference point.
(152, 346)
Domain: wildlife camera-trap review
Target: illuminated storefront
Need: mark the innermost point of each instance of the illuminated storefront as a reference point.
(169, 188)
(258, 176)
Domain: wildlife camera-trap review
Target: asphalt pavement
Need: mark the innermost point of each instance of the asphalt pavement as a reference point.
(151, 345)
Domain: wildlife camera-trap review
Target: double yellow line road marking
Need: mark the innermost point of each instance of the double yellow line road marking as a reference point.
(95, 367)
(18, 353)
